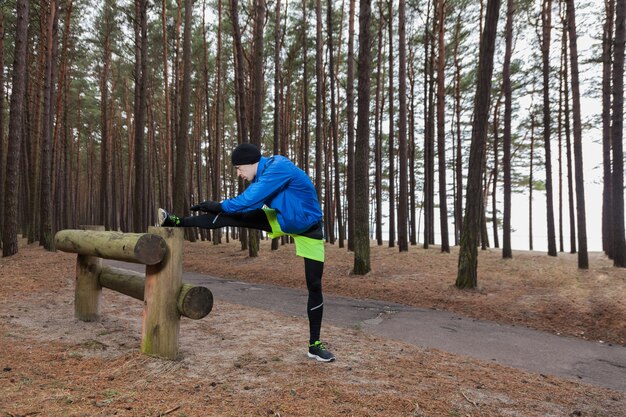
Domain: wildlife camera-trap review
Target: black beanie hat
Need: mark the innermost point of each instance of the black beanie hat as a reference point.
(245, 154)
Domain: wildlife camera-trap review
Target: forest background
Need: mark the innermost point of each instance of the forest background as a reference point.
(131, 105)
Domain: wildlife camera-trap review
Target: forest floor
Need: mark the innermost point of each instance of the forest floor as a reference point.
(240, 361)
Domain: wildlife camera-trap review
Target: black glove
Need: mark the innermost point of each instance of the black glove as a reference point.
(208, 207)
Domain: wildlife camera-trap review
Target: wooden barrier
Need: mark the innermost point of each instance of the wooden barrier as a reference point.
(165, 297)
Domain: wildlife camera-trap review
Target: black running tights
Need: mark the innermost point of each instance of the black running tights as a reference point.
(256, 219)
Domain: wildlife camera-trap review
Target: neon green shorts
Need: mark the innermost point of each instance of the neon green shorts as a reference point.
(306, 247)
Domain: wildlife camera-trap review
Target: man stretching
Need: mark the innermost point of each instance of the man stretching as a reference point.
(280, 200)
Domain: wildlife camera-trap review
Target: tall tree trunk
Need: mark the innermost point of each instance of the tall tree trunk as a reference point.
(277, 90)
(546, 20)
(304, 159)
(506, 157)
(458, 157)
(240, 98)
(104, 116)
(257, 99)
(2, 142)
(333, 122)
(412, 154)
(568, 144)
(581, 220)
(619, 242)
(168, 200)
(378, 153)
(319, 91)
(468, 256)
(182, 140)
(403, 203)
(607, 42)
(494, 183)
(350, 127)
(242, 122)
(361, 239)
(441, 127)
(45, 225)
(391, 138)
(427, 136)
(141, 91)
(531, 183)
(18, 93)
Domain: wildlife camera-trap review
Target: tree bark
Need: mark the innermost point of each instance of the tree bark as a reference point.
(350, 128)
(361, 242)
(319, 76)
(45, 222)
(546, 19)
(581, 219)
(403, 203)
(468, 257)
(619, 241)
(141, 91)
(391, 138)
(18, 92)
(181, 186)
(607, 41)
(441, 126)
(507, 252)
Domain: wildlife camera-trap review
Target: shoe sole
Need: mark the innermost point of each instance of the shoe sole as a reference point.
(319, 358)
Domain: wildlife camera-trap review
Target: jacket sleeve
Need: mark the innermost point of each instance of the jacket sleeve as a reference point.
(260, 192)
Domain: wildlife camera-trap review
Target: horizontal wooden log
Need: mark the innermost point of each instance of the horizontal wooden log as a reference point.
(194, 302)
(142, 248)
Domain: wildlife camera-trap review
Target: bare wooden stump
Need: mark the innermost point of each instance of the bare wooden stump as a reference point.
(160, 319)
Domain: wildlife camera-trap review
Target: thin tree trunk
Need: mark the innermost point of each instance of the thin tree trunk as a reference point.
(168, 200)
(391, 138)
(305, 92)
(570, 163)
(277, 91)
(427, 136)
(441, 129)
(141, 91)
(350, 127)
(619, 241)
(506, 157)
(2, 142)
(378, 153)
(581, 219)
(607, 180)
(45, 225)
(546, 19)
(319, 91)
(531, 184)
(403, 203)
(182, 140)
(458, 157)
(333, 122)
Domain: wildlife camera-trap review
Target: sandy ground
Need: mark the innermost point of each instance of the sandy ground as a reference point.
(240, 362)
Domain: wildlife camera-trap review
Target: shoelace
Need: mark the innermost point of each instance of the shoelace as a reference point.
(319, 345)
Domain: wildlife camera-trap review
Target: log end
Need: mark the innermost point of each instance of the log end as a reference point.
(195, 302)
(150, 249)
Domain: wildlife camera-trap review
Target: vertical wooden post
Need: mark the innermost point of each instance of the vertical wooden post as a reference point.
(160, 319)
(87, 292)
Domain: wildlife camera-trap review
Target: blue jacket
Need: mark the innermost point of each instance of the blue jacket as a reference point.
(284, 187)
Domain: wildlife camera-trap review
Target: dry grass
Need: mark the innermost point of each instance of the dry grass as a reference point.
(239, 362)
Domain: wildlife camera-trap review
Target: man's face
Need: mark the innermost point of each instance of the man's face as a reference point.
(247, 172)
